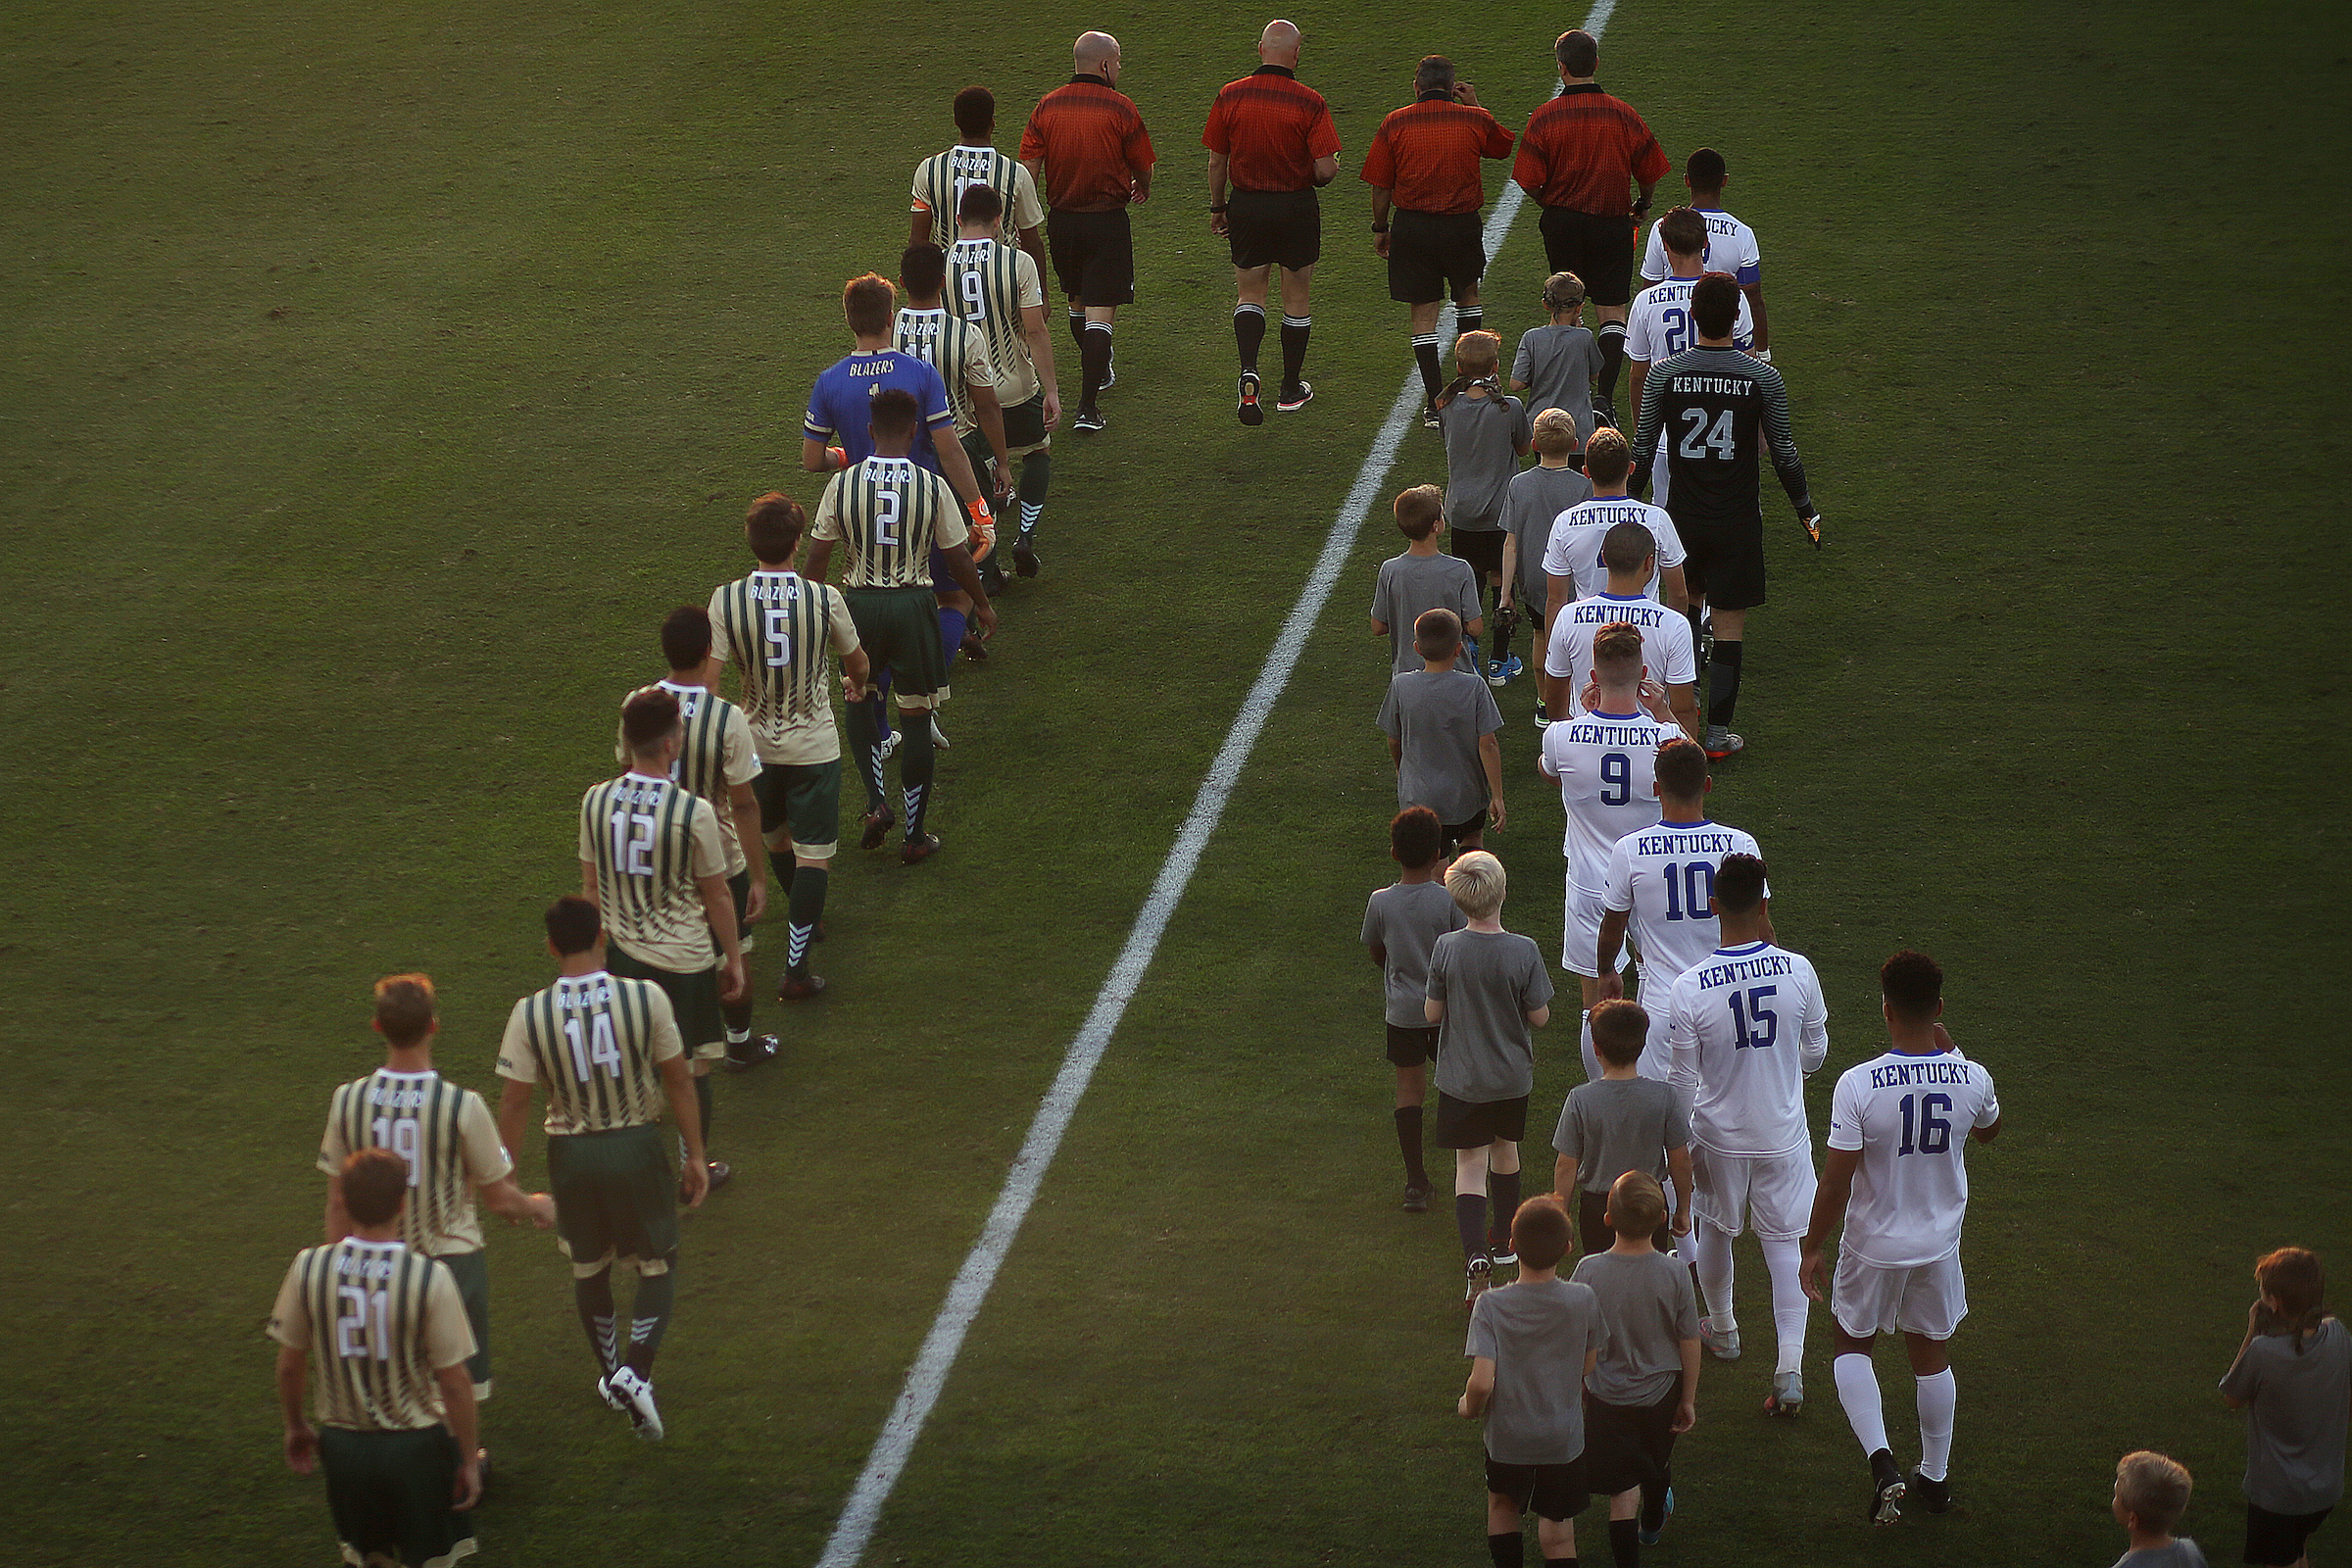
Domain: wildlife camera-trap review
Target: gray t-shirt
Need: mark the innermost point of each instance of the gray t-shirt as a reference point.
(1558, 363)
(1612, 1125)
(1437, 715)
(1650, 1308)
(2295, 1416)
(1411, 584)
(2178, 1553)
(1534, 498)
(1406, 919)
(1538, 1334)
(1490, 982)
(1483, 438)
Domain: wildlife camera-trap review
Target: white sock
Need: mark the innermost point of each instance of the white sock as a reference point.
(1937, 1396)
(1780, 1257)
(1858, 1391)
(1712, 1251)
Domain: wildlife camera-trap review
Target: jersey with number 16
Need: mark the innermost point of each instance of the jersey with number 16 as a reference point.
(1910, 1116)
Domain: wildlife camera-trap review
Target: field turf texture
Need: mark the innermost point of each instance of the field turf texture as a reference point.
(372, 382)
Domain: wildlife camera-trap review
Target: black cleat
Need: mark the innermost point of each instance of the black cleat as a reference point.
(759, 1050)
(878, 823)
(972, 647)
(1024, 557)
(1089, 421)
(1416, 1198)
(1499, 1250)
(1886, 1489)
(1602, 414)
(916, 851)
(800, 987)
(1294, 398)
(1934, 1495)
(1246, 406)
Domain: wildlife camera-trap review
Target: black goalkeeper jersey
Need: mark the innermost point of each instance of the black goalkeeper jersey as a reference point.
(1716, 411)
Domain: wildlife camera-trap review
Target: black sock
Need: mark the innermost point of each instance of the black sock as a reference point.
(1037, 474)
(738, 1014)
(782, 863)
(805, 909)
(702, 1101)
(866, 743)
(1695, 614)
(1653, 1501)
(657, 1297)
(1559, 1563)
(1508, 1552)
(1295, 332)
(1470, 1218)
(1248, 331)
(1078, 327)
(917, 764)
(592, 1297)
(1625, 1542)
(1506, 1198)
(1408, 1144)
(1472, 319)
(1502, 627)
(1612, 357)
(1094, 360)
(1424, 353)
(1723, 681)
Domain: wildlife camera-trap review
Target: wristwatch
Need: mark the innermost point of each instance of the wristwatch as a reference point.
(1380, 228)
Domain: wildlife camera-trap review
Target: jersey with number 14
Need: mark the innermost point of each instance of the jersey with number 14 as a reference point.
(598, 1042)
(1910, 1116)
(989, 284)
(1746, 1024)
(778, 628)
(1607, 768)
(650, 840)
(890, 513)
(442, 1133)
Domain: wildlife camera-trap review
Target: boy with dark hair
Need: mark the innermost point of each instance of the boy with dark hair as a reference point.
(1532, 1345)
(974, 163)
(2151, 1494)
(1486, 435)
(1440, 723)
(1534, 498)
(1618, 1123)
(1729, 245)
(1643, 1391)
(1423, 579)
(1402, 921)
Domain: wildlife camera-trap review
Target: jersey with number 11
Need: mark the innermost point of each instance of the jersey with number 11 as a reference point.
(1746, 1024)
(1910, 1116)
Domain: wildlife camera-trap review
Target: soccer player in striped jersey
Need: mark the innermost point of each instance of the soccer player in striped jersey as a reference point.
(1631, 556)
(1897, 1179)
(445, 1137)
(942, 180)
(1001, 291)
(1746, 1024)
(608, 1052)
(892, 516)
(654, 861)
(1572, 566)
(1605, 763)
(719, 762)
(1731, 245)
(1660, 323)
(778, 629)
(380, 1330)
(957, 349)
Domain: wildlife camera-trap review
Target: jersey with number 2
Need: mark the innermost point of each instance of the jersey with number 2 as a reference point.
(1910, 1116)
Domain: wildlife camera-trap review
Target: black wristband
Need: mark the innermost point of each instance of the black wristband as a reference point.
(1215, 207)
(1380, 228)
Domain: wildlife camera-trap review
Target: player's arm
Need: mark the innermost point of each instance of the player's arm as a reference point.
(677, 1084)
(1755, 309)
(588, 888)
(1764, 913)
(1612, 942)
(1674, 590)
(302, 1443)
(1216, 193)
(1490, 758)
(918, 228)
(1033, 240)
(855, 670)
(459, 1414)
(1681, 703)
(1685, 1409)
(744, 805)
(1383, 199)
(1558, 594)
(1041, 355)
(954, 465)
(1478, 1390)
(818, 457)
(1645, 435)
(1678, 1166)
(1641, 370)
(1829, 1206)
(1781, 438)
(718, 908)
(514, 1106)
(506, 1198)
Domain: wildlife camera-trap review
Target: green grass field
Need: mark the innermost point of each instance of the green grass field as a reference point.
(371, 384)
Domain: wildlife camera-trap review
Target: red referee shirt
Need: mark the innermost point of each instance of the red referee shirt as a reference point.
(1271, 128)
(1583, 149)
(1091, 141)
(1426, 155)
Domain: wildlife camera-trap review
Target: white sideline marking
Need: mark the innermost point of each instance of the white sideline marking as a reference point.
(929, 1374)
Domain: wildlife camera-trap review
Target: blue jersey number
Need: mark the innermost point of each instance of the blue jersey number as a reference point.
(1676, 322)
(1933, 1131)
(1756, 1026)
(1616, 778)
(1687, 889)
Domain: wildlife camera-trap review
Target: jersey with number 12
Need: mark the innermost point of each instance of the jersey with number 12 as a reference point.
(1746, 1024)
(650, 841)
(1910, 1116)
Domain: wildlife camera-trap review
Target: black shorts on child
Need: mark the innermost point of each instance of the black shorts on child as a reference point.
(1627, 1446)
(1556, 1492)
(1473, 1123)
(2279, 1537)
(1409, 1047)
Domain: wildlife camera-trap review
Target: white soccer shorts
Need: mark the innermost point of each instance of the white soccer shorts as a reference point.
(1774, 1191)
(1928, 1298)
(1579, 937)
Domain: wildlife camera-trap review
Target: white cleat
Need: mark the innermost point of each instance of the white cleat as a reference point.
(636, 1396)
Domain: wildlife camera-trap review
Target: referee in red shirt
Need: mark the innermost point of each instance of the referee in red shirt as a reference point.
(1271, 135)
(1086, 147)
(1576, 158)
(1424, 162)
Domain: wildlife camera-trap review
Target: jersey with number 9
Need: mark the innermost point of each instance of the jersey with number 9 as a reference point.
(1607, 768)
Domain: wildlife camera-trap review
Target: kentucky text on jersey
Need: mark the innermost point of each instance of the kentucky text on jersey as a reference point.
(1756, 968)
(1632, 610)
(1903, 1074)
(1685, 841)
(1610, 732)
(1712, 383)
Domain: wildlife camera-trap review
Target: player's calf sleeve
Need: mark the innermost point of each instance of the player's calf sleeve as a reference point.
(1425, 354)
(1508, 1552)
(952, 622)
(657, 1297)
(1625, 1542)
(738, 1014)
(592, 1297)
(1712, 1251)
(1248, 331)
(807, 907)
(1094, 360)
(1780, 1257)
(1723, 681)
(866, 743)
(1858, 1390)
(1295, 330)
(1939, 1395)
(1408, 1144)
(1470, 1219)
(1505, 1189)
(918, 764)
(1584, 1044)
(1612, 357)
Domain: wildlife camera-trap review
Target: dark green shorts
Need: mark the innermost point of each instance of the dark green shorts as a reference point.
(473, 1273)
(1024, 430)
(616, 1194)
(899, 628)
(808, 798)
(390, 1492)
(693, 997)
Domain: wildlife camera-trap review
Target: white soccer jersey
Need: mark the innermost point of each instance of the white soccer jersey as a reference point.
(1745, 1025)
(1910, 1116)
(1661, 876)
(1573, 548)
(1660, 323)
(1607, 768)
(1731, 248)
(1666, 650)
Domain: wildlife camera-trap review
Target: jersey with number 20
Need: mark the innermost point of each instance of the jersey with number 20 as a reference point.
(1910, 1116)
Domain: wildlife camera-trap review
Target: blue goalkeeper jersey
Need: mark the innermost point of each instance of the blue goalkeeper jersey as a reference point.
(838, 406)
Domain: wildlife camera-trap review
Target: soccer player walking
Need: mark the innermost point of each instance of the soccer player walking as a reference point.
(1577, 157)
(608, 1052)
(1423, 165)
(1086, 144)
(1731, 245)
(1897, 1179)
(1270, 135)
(1660, 323)
(1668, 659)
(955, 348)
(1572, 566)
(1000, 290)
(942, 180)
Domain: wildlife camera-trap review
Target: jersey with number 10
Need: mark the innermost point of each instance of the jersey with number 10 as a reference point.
(597, 1042)
(1715, 412)
(1607, 768)
(890, 513)
(1746, 1024)
(1910, 1116)
(1662, 876)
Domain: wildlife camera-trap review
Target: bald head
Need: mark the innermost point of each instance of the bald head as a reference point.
(1278, 45)
(1093, 52)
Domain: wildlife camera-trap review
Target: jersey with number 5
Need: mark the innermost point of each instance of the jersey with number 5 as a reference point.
(1607, 765)
(1910, 1116)
(782, 632)
(1746, 1024)
(1717, 412)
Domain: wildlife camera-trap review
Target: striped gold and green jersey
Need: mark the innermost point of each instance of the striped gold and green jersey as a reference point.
(782, 632)
(988, 285)
(890, 513)
(650, 839)
(941, 179)
(444, 1133)
(953, 347)
(378, 1319)
(717, 756)
(596, 1043)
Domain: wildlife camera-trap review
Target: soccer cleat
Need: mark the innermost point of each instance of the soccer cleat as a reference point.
(1498, 1251)
(1543, 718)
(636, 1396)
(1885, 1489)
(1604, 414)
(1722, 1343)
(1089, 421)
(1024, 557)
(1649, 1533)
(721, 1173)
(939, 737)
(972, 647)
(1722, 742)
(1934, 1495)
(743, 1055)
(878, 822)
(1416, 1198)
(914, 852)
(1503, 671)
(889, 746)
(1482, 1276)
(1246, 406)
(1787, 1395)
(800, 987)
(603, 1392)
(1296, 397)
(1429, 418)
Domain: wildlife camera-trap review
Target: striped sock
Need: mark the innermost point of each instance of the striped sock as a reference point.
(1295, 330)
(1094, 356)
(1425, 351)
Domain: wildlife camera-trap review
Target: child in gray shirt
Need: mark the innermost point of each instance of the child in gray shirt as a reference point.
(1643, 1391)
(1555, 364)
(2151, 1493)
(1424, 577)
(1618, 1123)
(1534, 499)
(1440, 723)
(2293, 1379)
(1486, 436)
(1402, 921)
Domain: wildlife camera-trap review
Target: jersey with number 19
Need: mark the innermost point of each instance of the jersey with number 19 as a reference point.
(597, 1041)
(1746, 1024)
(779, 629)
(989, 286)
(442, 1133)
(1910, 1116)
(890, 513)
(650, 840)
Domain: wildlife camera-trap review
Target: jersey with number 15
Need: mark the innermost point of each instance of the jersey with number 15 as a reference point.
(1910, 1116)
(1746, 1024)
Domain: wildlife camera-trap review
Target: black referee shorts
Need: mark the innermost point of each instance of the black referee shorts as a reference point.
(1430, 252)
(1094, 255)
(1598, 250)
(1274, 228)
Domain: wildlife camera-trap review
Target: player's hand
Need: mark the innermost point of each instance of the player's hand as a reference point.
(755, 902)
(1590, 697)
(1052, 407)
(468, 1490)
(1462, 1407)
(1808, 1273)
(730, 980)
(698, 1183)
(1653, 697)
(1685, 1416)
(1465, 93)
(851, 690)
(1216, 225)
(1612, 987)
(301, 1448)
(543, 1211)
(1136, 191)
(984, 617)
(1380, 246)
(1495, 815)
